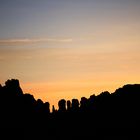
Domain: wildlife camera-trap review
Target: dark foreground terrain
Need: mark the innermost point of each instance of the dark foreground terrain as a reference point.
(106, 116)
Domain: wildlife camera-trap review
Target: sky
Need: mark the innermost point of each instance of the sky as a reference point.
(69, 48)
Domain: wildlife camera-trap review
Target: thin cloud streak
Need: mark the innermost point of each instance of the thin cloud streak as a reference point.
(34, 40)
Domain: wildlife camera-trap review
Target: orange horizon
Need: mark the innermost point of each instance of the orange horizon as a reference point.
(53, 95)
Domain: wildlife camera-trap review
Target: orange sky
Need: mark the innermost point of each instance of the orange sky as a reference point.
(70, 49)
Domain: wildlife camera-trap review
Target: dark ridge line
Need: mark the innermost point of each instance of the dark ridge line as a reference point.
(99, 116)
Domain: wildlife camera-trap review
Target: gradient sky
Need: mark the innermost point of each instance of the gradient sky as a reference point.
(69, 48)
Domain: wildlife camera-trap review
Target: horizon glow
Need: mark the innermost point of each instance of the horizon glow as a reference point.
(69, 49)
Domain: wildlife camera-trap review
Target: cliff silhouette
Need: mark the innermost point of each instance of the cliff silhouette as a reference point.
(107, 115)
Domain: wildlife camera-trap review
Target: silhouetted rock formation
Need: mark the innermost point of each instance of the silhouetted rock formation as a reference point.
(62, 106)
(108, 115)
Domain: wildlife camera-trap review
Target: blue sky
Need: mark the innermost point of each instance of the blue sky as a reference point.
(32, 18)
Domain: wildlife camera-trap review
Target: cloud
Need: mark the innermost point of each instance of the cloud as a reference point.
(34, 40)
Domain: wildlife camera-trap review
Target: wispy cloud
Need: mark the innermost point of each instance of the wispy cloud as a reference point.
(34, 40)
